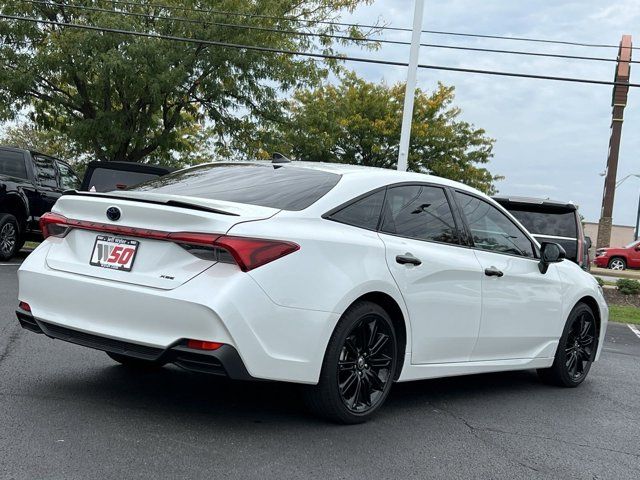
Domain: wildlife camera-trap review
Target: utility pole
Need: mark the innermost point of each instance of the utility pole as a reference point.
(618, 102)
(410, 89)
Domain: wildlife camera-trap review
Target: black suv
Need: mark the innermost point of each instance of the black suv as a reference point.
(30, 183)
(552, 221)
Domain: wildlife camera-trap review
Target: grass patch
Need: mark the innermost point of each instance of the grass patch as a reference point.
(31, 245)
(624, 314)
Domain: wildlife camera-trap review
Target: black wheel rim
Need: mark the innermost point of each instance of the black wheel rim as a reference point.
(8, 238)
(366, 364)
(580, 346)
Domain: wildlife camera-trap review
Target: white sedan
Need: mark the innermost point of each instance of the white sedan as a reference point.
(342, 278)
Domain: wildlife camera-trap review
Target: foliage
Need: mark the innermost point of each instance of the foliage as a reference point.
(30, 137)
(624, 314)
(123, 97)
(599, 280)
(359, 122)
(628, 287)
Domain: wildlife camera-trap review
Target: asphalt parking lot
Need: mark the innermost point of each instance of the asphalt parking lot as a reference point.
(67, 412)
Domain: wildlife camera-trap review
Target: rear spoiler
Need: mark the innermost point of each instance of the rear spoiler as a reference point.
(169, 203)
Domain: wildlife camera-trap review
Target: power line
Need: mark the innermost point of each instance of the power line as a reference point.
(320, 34)
(355, 25)
(259, 48)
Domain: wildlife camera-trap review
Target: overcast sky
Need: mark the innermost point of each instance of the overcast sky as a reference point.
(551, 137)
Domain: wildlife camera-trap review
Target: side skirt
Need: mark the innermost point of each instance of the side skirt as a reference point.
(438, 370)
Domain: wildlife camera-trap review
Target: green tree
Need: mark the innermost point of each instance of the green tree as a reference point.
(123, 97)
(27, 135)
(359, 122)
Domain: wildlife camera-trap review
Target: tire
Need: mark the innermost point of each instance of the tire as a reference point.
(576, 349)
(9, 236)
(136, 363)
(358, 368)
(617, 263)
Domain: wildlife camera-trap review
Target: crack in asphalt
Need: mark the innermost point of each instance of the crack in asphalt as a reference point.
(473, 429)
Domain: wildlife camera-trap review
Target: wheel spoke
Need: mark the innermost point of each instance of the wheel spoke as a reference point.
(373, 333)
(586, 340)
(348, 383)
(346, 365)
(351, 346)
(380, 361)
(381, 341)
(356, 396)
(376, 383)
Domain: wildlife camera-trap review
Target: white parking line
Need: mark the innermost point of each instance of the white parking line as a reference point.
(634, 329)
(8, 264)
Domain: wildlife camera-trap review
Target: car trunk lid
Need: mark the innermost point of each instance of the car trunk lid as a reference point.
(145, 220)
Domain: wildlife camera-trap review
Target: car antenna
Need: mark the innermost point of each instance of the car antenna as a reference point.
(279, 158)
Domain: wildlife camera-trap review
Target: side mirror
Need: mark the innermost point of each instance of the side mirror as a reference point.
(587, 242)
(550, 253)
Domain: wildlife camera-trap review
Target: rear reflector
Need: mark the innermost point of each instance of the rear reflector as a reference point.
(24, 306)
(248, 253)
(203, 345)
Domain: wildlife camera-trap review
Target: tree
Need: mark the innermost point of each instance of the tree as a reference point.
(26, 135)
(359, 122)
(124, 97)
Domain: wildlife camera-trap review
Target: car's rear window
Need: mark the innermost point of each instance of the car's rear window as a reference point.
(557, 223)
(107, 179)
(275, 186)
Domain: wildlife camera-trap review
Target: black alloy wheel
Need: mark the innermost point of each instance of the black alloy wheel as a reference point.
(358, 368)
(576, 349)
(364, 366)
(9, 236)
(580, 346)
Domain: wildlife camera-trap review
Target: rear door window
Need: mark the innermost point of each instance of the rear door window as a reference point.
(46, 171)
(421, 212)
(13, 164)
(275, 186)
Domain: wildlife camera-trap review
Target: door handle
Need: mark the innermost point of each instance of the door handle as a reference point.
(408, 258)
(493, 272)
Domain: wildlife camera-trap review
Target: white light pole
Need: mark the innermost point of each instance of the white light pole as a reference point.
(410, 90)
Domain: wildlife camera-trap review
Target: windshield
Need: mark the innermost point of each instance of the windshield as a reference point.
(632, 244)
(267, 185)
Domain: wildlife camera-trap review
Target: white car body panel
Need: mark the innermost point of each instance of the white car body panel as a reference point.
(280, 316)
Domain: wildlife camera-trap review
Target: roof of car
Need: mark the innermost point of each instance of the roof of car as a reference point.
(348, 170)
(503, 200)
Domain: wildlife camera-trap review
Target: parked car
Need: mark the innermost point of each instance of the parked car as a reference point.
(342, 278)
(552, 221)
(619, 258)
(107, 176)
(30, 183)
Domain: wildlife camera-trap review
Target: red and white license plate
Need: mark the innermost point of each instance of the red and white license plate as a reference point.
(113, 252)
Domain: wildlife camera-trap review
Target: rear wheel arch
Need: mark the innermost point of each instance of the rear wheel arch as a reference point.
(15, 206)
(389, 304)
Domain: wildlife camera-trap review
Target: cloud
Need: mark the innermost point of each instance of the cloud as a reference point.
(549, 134)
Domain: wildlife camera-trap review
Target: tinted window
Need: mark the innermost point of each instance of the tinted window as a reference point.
(68, 179)
(284, 187)
(556, 223)
(106, 179)
(421, 212)
(491, 229)
(45, 171)
(12, 164)
(364, 213)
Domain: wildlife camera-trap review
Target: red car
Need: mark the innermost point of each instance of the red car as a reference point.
(619, 258)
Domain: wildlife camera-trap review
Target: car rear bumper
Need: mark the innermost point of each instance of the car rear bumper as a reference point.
(222, 304)
(224, 361)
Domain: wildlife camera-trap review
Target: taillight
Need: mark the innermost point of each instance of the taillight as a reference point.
(53, 225)
(580, 252)
(250, 253)
(247, 253)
